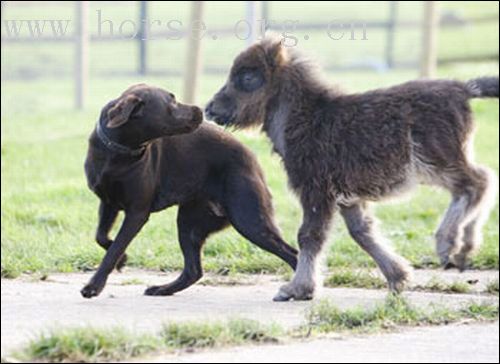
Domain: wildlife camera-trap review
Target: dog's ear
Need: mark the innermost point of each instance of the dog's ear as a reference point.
(120, 113)
(276, 53)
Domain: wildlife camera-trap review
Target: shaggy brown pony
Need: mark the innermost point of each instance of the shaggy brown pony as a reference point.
(342, 151)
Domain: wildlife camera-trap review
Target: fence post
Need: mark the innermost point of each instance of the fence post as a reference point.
(430, 23)
(142, 36)
(81, 53)
(2, 15)
(265, 14)
(389, 48)
(253, 12)
(194, 61)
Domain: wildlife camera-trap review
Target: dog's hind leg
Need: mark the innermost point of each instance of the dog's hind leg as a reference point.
(472, 236)
(107, 217)
(249, 209)
(361, 226)
(195, 221)
(469, 187)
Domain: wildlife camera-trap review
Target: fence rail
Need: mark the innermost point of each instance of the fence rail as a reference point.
(83, 38)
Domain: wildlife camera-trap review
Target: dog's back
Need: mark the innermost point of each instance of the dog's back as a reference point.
(181, 165)
(199, 163)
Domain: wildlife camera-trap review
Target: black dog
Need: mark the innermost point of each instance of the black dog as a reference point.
(138, 163)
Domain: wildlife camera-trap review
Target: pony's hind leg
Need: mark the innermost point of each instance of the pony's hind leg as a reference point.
(361, 226)
(472, 231)
(469, 186)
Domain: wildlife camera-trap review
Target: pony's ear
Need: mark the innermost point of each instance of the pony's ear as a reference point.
(276, 53)
(121, 112)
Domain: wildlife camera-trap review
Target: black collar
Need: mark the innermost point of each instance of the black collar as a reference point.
(117, 147)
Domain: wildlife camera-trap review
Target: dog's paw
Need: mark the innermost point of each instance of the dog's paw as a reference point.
(292, 291)
(90, 290)
(158, 291)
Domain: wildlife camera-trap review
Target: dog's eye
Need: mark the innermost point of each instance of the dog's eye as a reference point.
(249, 80)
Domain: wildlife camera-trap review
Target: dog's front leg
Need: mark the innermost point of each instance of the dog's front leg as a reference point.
(132, 224)
(107, 216)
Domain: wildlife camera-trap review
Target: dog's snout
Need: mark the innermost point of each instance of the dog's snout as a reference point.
(197, 114)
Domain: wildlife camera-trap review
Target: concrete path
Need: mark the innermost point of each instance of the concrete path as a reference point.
(474, 343)
(31, 306)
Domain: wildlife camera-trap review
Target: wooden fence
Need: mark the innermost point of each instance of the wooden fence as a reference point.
(254, 10)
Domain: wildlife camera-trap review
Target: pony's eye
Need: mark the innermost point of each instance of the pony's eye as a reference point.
(249, 80)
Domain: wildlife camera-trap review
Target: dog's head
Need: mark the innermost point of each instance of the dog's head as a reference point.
(252, 82)
(144, 113)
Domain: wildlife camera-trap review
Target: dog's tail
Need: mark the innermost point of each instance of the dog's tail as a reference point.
(483, 87)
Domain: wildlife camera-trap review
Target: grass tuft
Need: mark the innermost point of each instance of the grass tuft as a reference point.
(492, 287)
(96, 345)
(90, 345)
(478, 311)
(202, 335)
(353, 278)
(436, 285)
(10, 272)
(395, 311)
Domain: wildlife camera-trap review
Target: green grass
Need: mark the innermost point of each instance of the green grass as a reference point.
(492, 287)
(82, 345)
(395, 312)
(209, 335)
(437, 285)
(359, 278)
(97, 345)
(353, 278)
(113, 344)
(48, 215)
